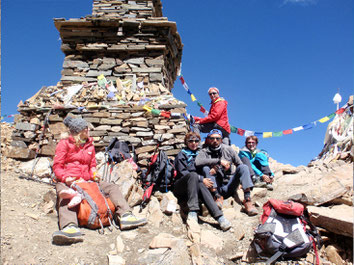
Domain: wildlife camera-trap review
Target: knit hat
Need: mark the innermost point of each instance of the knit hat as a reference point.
(213, 89)
(75, 125)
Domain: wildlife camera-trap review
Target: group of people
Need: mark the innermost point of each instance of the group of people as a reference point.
(205, 174)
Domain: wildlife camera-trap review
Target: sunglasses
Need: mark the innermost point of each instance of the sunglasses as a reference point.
(251, 142)
(193, 141)
(215, 138)
(213, 93)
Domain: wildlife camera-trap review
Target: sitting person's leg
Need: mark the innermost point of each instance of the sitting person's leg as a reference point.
(69, 232)
(213, 190)
(124, 215)
(187, 187)
(241, 176)
(212, 207)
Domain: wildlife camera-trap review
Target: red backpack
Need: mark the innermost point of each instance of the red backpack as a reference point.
(284, 232)
(95, 210)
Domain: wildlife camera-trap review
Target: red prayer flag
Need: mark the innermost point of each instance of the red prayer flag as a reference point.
(341, 110)
(240, 131)
(202, 109)
(290, 131)
(166, 114)
(182, 79)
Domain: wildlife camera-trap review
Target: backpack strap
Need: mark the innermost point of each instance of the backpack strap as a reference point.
(276, 255)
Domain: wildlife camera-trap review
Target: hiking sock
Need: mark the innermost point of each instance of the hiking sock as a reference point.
(247, 195)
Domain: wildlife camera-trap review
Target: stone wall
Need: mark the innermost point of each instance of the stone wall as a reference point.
(120, 62)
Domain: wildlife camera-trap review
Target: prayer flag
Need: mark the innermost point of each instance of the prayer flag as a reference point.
(290, 131)
(147, 108)
(341, 110)
(155, 112)
(277, 134)
(298, 128)
(267, 134)
(240, 131)
(193, 98)
(189, 92)
(165, 114)
(199, 104)
(324, 119)
(182, 80)
(248, 133)
(331, 116)
(186, 87)
(202, 109)
(233, 129)
(307, 126)
(258, 134)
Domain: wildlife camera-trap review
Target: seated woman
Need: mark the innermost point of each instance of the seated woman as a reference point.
(257, 162)
(191, 186)
(75, 161)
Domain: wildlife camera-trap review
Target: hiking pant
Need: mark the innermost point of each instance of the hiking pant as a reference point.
(191, 189)
(207, 127)
(69, 215)
(227, 188)
(265, 169)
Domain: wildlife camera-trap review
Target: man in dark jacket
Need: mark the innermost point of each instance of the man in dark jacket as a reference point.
(220, 161)
(191, 186)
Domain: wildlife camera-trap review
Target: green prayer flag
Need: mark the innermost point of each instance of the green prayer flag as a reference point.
(277, 134)
(233, 129)
(155, 112)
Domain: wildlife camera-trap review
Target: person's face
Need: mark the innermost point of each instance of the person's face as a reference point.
(84, 134)
(213, 95)
(251, 144)
(214, 140)
(193, 143)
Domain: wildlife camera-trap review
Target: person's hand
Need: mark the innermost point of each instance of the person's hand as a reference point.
(69, 181)
(196, 119)
(212, 171)
(225, 164)
(208, 183)
(267, 179)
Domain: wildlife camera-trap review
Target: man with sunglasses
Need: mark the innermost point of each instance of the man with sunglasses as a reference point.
(190, 186)
(217, 117)
(220, 161)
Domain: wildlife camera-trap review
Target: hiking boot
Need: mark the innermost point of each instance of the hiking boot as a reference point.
(69, 235)
(130, 221)
(224, 223)
(193, 216)
(219, 200)
(269, 186)
(249, 209)
(257, 183)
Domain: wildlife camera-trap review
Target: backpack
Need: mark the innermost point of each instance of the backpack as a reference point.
(159, 176)
(119, 150)
(284, 232)
(161, 172)
(95, 210)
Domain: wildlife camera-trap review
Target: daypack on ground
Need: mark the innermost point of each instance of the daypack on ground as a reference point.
(158, 177)
(95, 210)
(284, 232)
(119, 150)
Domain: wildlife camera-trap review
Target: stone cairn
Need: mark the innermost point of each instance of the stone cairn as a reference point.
(120, 62)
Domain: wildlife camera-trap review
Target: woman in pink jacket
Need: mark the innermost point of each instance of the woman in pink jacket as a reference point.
(75, 161)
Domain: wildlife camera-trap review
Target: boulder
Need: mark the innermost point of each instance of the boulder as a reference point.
(337, 219)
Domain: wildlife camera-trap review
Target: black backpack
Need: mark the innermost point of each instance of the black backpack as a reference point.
(160, 174)
(118, 151)
(285, 232)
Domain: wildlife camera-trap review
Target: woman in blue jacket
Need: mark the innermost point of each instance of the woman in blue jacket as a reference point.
(257, 162)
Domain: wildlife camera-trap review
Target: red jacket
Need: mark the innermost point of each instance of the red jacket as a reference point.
(74, 161)
(218, 114)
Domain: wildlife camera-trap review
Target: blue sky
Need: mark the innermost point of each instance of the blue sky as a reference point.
(277, 62)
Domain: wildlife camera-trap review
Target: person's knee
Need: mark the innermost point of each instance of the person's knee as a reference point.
(243, 169)
(193, 177)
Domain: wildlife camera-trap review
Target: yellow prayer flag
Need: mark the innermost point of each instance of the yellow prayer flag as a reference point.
(100, 77)
(193, 97)
(147, 108)
(267, 134)
(324, 119)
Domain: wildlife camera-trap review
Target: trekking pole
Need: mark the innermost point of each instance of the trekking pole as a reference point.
(37, 180)
(40, 140)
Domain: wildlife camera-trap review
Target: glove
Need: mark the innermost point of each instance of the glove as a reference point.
(197, 118)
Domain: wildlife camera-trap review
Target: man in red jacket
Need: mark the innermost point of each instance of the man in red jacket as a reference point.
(217, 117)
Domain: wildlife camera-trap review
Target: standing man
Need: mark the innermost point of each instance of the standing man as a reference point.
(217, 117)
(222, 162)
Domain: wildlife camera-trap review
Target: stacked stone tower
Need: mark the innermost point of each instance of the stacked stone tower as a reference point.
(120, 63)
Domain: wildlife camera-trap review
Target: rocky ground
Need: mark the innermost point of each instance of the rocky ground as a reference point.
(28, 219)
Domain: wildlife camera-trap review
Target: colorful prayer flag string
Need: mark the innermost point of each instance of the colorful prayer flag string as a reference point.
(246, 133)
